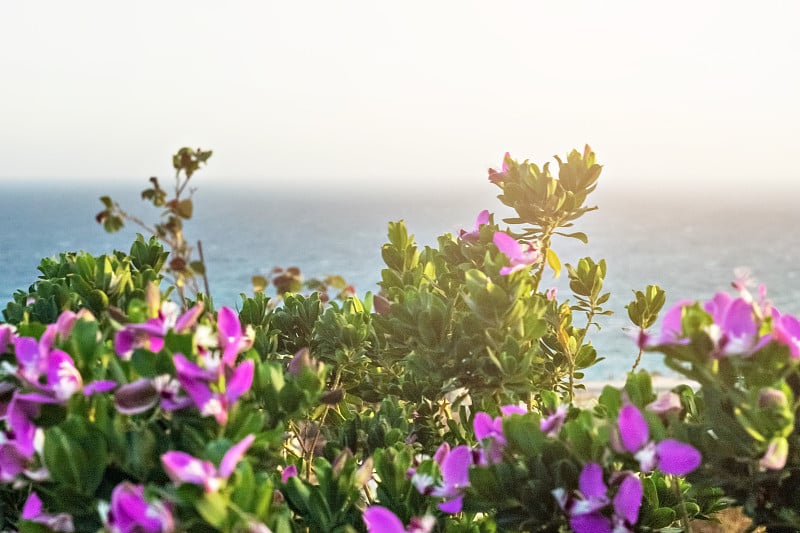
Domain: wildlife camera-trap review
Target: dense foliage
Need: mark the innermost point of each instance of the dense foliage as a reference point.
(446, 402)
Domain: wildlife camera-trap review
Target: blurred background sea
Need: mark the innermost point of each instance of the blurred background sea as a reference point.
(688, 244)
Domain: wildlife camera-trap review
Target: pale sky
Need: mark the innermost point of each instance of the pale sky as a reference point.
(366, 92)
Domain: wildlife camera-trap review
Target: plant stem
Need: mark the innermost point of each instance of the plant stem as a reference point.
(203, 260)
(310, 452)
(678, 494)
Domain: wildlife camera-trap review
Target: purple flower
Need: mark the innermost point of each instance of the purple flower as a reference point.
(585, 509)
(381, 520)
(150, 334)
(735, 328)
(474, 235)
(288, 472)
(519, 255)
(203, 385)
(489, 432)
(671, 328)
(551, 294)
(232, 340)
(183, 468)
(130, 512)
(32, 511)
(455, 479)
(552, 424)
(786, 331)
(63, 379)
(671, 456)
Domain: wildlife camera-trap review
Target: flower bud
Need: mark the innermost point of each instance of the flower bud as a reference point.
(301, 360)
(776, 454)
(136, 397)
(667, 402)
(769, 398)
(364, 472)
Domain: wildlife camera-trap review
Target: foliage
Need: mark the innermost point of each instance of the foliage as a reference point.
(183, 266)
(105, 284)
(743, 353)
(446, 402)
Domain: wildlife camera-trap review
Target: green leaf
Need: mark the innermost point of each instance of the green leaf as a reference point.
(184, 209)
(662, 517)
(639, 387)
(213, 507)
(76, 454)
(198, 267)
(577, 235)
(553, 262)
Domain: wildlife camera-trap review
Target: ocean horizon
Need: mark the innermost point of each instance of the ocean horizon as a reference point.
(689, 245)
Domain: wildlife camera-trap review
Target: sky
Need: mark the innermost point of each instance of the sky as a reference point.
(412, 93)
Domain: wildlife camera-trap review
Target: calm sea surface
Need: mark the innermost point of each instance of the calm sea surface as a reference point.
(688, 246)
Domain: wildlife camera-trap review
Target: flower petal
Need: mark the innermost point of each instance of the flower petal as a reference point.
(381, 520)
(452, 506)
(455, 467)
(628, 500)
(94, 387)
(677, 458)
(508, 410)
(183, 468)
(482, 220)
(482, 426)
(230, 333)
(633, 428)
(234, 455)
(32, 508)
(241, 381)
(189, 318)
(136, 397)
(591, 482)
(508, 245)
(590, 523)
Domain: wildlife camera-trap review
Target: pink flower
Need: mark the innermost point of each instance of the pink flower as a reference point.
(32, 511)
(474, 235)
(585, 508)
(150, 334)
(786, 331)
(288, 472)
(202, 385)
(667, 402)
(232, 339)
(381, 520)
(130, 512)
(455, 479)
(671, 456)
(183, 468)
(519, 255)
(552, 424)
(499, 177)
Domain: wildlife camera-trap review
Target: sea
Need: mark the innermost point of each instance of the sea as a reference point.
(687, 241)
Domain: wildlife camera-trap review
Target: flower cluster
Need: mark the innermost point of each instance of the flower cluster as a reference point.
(37, 372)
(587, 508)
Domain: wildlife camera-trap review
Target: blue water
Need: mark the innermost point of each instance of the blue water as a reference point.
(687, 245)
